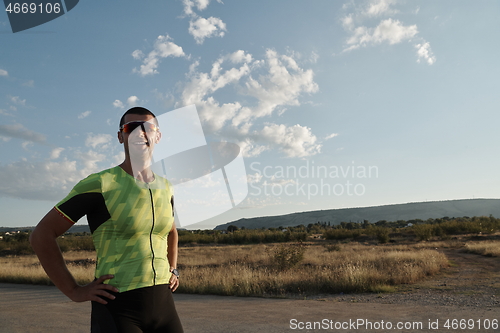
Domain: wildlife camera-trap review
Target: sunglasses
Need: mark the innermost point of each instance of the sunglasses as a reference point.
(146, 126)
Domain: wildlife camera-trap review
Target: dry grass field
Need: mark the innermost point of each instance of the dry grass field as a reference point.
(255, 270)
(269, 270)
(485, 248)
(27, 269)
(284, 269)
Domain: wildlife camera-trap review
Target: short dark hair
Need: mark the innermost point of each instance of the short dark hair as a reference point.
(137, 110)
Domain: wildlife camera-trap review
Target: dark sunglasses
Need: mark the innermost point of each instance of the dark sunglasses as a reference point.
(146, 126)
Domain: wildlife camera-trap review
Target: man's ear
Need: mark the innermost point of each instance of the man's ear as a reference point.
(120, 137)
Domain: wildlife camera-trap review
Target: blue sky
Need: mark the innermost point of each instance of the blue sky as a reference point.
(392, 101)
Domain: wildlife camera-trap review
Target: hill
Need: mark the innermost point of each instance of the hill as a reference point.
(408, 211)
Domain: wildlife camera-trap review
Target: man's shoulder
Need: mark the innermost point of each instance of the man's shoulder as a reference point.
(98, 176)
(162, 179)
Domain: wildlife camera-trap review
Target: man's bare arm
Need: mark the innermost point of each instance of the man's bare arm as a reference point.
(173, 250)
(43, 240)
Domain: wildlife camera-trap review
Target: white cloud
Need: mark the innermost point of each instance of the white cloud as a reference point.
(27, 144)
(255, 178)
(90, 160)
(240, 57)
(5, 113)
(199, 4)
(424, 52)
(18, 131)
(163, 48)
(84, 114)
(118, 104)
(314, 57)
(268, 85)
(137, 54)
(202, 84)
(41, 180)
(390, 31)
(331, 136)
(294, 141)
(202, 28)
(132, 101)
(284, 82)
(53, 177)
(380, 7)
(280, 85)
(47, 179)
(199, 27)
(100, 141)
(56, 152)
(250, 149)
(3, 72)
(30, 83)
(17, 100)
(347, 22)
(273, 180)
(188, 7)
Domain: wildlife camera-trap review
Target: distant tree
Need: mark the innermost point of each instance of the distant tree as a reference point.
(232, 228)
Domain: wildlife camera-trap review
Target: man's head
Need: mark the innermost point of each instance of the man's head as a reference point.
(137, 110)
(138, 126)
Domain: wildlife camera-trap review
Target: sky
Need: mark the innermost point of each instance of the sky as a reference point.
(334, 104)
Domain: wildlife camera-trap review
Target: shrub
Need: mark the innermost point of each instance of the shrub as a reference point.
(76, 243)
(382, 234)
(340, 234)
(423, 231)
(287, 256)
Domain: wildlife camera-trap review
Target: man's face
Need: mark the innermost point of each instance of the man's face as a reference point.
(140, 142)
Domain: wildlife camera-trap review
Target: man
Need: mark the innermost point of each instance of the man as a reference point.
(130, 211)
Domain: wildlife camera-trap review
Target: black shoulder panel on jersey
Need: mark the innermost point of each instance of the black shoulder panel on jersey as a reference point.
(90, 204)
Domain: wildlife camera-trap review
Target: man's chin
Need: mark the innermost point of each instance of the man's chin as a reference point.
(140, 147)
(140, 152)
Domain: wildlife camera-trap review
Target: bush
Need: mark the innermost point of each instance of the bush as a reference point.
(423, 231)
(340, 234)
(242, 236)
(382, 234)
(76, 243)
(287, 256)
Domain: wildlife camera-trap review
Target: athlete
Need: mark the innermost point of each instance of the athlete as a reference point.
(130, 211)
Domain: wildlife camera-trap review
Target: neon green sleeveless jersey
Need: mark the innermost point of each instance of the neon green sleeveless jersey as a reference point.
(129, 222)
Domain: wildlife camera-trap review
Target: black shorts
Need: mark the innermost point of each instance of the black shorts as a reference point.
(143, 310)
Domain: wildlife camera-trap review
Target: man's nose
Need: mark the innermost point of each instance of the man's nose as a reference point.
(139, 132)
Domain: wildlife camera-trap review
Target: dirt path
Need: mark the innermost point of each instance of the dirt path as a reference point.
(467, 290)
